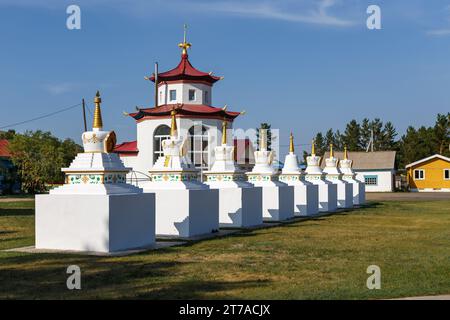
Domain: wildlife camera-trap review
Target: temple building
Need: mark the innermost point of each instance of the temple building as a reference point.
(188, 91)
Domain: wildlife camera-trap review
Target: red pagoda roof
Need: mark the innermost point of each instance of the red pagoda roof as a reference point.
(4, 149)
(127, 148)
(185, 71)
(185, 110)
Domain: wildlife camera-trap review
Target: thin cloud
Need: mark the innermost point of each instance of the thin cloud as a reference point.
(296, 11)
(439, 32)
(316, 12)
(59, 88)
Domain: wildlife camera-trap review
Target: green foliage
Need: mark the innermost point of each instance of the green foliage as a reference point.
(39, 157)
(8, 135)
(414, 145)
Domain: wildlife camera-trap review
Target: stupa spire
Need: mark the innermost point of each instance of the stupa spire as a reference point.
(184, 45)
(98, 123)
(173, 125)
(291, 143)
(313, 147)
(331, 151)
(224, 132)
(345, 153)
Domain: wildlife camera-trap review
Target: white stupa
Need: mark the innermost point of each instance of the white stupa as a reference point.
(306, 194)
(95, 210)
(359, 188)
(334, 175)
(278, 197)
(185, 207)
(240, 203)
(327, 190)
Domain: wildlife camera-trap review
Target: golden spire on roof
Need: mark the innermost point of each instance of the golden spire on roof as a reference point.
(224, 131)
(331, 151)
(291, 143)
(313, 147)
(173, 124)
(98, 123)
(184, 45)
(345, 153)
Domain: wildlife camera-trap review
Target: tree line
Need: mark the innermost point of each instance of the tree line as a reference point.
(415, 144)
(39, 157)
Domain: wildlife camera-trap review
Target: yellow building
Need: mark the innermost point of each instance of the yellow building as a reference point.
(429, 174)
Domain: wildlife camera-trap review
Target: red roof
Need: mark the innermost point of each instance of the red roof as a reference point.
(185, 110)
(4, 149)
(126, 148)
(185, 71)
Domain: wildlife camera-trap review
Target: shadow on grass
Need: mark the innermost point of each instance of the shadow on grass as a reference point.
(124, 277)
(16, 212)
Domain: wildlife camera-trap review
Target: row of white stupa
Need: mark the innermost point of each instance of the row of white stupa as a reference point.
(96, 210)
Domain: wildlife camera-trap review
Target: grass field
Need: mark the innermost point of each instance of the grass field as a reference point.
(323, 258)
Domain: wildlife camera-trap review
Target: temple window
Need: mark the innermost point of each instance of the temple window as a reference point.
(161, 133)
(191, 94)
(206, 96)
(198, 146)
(173, 95)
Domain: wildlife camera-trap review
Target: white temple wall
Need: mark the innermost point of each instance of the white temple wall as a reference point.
(143, 162)
(182, 93)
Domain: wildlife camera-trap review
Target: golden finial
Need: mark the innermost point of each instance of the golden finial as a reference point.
(184, 45)
(345, 153)
(173, 125)
(98, 123)
(291, 143)
(331, 151)
(313, 147)
(224, 132)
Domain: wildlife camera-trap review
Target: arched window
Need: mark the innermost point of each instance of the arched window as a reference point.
(161, 133)
(198, 146)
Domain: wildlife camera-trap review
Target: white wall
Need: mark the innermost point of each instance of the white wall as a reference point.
(183, 93)
(143, 162)
(385, 180)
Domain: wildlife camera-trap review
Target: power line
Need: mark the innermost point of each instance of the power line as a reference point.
(40, 117)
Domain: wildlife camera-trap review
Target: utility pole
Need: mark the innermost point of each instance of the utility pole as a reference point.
(84, 114)
(370, 144)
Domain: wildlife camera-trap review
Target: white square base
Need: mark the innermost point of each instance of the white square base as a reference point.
(359, 193)
(186, 212)
(327, 197)
(278, 203)
(345, 195)
(240, 207)
(99, 223)
(306, 200)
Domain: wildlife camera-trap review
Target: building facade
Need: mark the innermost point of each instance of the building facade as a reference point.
(189, 92)
(431, 174)
(376, 169)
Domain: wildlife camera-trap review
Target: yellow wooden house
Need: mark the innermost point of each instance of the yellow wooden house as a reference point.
(429, 174)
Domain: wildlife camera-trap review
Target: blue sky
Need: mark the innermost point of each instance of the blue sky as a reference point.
(305, 65)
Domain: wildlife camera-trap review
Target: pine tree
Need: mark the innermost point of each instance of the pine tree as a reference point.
(442, 133)
(388, 137)
(365, 134)
(377, 127)
(320, 144)
(351, 136)
(329, 137)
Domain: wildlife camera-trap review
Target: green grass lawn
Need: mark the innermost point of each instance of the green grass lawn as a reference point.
(324, 258)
